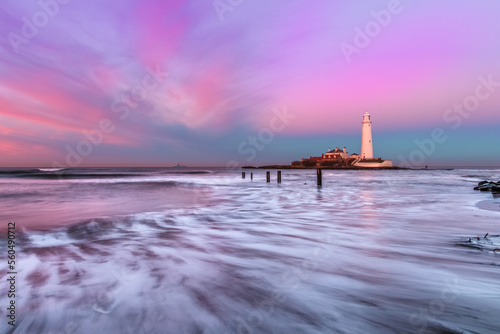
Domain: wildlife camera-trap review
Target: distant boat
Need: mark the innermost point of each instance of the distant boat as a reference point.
(178, 165)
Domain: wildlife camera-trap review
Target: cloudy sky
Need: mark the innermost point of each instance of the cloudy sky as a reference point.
(199, 82)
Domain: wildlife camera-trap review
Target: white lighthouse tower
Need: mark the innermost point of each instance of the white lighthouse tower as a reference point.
(366, 138)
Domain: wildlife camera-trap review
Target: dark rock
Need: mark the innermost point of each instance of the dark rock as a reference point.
(488, 186)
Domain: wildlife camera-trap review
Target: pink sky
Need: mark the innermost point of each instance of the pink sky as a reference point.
(228, 71)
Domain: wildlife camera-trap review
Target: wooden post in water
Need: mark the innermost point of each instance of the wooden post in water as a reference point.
(242, 175)
(279, 176)
(251, 176)
(268, 176)
(319, 177)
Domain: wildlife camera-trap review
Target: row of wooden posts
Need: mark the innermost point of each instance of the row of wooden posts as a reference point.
(319, 177)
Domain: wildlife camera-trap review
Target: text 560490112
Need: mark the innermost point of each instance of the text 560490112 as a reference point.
(11, 274)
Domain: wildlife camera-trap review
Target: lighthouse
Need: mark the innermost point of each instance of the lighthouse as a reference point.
(366, 138)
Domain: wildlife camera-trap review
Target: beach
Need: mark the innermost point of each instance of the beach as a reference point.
(201, 250)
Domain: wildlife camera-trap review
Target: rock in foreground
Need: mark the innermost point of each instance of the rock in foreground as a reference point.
(492, 186)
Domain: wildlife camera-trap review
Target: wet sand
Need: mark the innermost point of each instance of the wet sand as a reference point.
(490, 205)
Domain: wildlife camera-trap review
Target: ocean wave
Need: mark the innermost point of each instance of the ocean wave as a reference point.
(21, 195)
(50, 169)
(189, 172)
(351, 256)
(75, 175)
(18, 171)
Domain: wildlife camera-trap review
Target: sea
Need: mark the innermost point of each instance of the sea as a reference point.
(204, 250)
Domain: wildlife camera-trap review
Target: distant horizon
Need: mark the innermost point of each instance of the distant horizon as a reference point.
(240, 166)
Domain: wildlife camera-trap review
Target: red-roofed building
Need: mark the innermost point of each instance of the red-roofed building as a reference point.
(332, 156)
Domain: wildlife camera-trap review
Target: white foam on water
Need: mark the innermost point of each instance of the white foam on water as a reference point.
(362, 254)
(50, 169)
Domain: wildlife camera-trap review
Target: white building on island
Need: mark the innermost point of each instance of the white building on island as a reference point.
(366, 138)
(366, 158)
(340, 157)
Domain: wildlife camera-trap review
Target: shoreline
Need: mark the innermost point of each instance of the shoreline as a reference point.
(489, 205)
